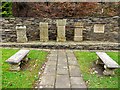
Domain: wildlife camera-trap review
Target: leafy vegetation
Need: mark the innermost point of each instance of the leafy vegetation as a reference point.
(85, 60)
(26, 77)
(6, 8)
(59, 9)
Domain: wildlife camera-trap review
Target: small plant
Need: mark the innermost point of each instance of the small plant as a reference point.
(6, 8)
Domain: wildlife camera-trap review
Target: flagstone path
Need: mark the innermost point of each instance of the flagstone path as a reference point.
(62, 71)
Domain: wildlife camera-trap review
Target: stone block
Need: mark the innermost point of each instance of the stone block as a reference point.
(61, 34)
(78, 38)
(43, 31)
(108, 71)
(21, 34)
(15, 67)
(99, 28)
(78, 34)
(61, 22)
(43, 24)
(78, 24)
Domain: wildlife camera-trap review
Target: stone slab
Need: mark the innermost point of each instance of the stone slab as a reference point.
(74, 71)
(62, 62)
(76, 87)
(52, 58)
(62, 71)
(72, 58)
(53, 63)
(52, 55)
(70, 55)
(62, 81)
(48, 87)
(47, 80)
(62, 66)
(50, 70)
(72, 62)
(77, 81)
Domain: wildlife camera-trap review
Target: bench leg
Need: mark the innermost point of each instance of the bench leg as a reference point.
(25, 59)
(99, 61)
(15, 67)
(108, 71)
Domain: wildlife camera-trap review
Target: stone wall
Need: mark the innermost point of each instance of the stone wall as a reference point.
(33, 34)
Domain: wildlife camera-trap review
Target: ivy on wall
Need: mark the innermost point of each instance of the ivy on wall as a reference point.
(6, 8)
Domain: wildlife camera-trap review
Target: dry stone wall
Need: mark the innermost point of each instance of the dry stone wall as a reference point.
(109, 25)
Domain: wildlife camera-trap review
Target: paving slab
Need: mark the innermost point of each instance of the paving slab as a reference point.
(62, 62)
(52, 63)
(79, 87)
(62, 71)
(62, 66)
(73, 62)
(62, 81)
(77, 81)
(52, 55)
(50, 70)
(48, 87)
(47, 80)
(52, 58)
(74, 71)
(72, 58)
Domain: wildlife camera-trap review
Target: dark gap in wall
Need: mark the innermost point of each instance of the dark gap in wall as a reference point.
(52, 31)
(69, 33)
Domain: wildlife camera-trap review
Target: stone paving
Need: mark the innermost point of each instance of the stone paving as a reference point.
(61, 71)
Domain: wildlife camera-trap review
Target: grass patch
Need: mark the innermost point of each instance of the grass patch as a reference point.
(24, 78)
(85, 60)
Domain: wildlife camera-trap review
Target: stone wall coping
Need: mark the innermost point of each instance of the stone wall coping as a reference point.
(76, 19)
(62, 43)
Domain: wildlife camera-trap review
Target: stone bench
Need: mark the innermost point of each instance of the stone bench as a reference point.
(16, 60)
(109, 64)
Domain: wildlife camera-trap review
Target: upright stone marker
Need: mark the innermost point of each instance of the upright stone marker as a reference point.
(99, 28)
(43, 31)
(61, 30)
(21, 34)
(78, 34)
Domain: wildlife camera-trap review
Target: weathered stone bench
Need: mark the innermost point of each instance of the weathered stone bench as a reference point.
(17, 59)
(109, 64)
